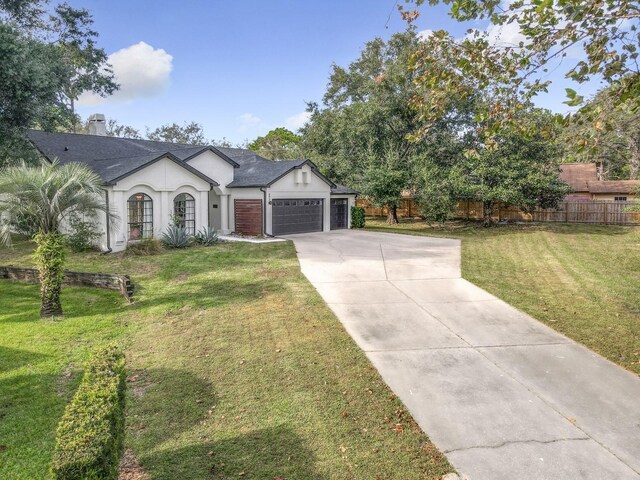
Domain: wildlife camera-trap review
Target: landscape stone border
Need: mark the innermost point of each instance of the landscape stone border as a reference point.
(111, 281)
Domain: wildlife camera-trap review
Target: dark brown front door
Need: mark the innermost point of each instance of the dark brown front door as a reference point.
(248, 216)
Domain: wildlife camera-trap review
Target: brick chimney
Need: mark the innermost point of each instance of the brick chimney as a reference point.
(97, 125)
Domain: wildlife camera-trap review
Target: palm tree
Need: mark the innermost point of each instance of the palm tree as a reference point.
(47, 195)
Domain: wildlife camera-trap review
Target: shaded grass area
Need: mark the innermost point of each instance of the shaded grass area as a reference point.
(40, 365)
(582, 280)
(237, 369)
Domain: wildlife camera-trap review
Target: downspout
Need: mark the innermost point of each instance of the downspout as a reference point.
(264, 214)
(108, 221)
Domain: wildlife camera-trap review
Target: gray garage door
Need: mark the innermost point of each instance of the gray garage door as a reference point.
(296, 215)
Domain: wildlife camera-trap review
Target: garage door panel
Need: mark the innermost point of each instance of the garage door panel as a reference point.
(300, 215)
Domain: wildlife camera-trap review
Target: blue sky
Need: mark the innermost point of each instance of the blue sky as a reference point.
(242, 68)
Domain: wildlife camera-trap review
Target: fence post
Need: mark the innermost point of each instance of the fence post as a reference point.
(604, 213)
(566, 212)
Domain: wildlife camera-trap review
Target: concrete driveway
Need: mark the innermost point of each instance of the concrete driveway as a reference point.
(501, 394)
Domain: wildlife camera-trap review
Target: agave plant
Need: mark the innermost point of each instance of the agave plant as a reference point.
(176, 237)
(206, 236)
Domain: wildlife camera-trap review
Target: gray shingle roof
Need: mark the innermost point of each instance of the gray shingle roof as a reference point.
(114, 158)
(342, 190)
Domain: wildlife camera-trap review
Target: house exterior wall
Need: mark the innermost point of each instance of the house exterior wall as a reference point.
(162, 182)
(301, 183)
(611, 196)
(215, 168)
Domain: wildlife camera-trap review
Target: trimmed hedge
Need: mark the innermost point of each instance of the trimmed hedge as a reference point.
(357, 217)
(90, 435)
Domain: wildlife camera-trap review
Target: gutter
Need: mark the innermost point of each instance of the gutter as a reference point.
(264, 214)
(108, 221)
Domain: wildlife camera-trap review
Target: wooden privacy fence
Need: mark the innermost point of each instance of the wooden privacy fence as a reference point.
(592, 211)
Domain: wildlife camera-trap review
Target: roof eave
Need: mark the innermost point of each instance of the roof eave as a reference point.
(217, 152)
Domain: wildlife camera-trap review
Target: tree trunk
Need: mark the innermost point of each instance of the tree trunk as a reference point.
(392, 215)
(73, 116)
(634, 160)
(50, 260)
(487, 213)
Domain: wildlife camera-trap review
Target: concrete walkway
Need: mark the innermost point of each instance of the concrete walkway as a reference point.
(501, 394)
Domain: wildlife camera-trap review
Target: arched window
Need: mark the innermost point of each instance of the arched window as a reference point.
(184, 212)
(140, 207)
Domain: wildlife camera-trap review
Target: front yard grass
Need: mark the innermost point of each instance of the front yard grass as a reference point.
(237, 369)
(581, 280)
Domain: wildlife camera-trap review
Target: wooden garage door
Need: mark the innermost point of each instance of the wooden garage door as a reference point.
(296, 215)
(248, 216)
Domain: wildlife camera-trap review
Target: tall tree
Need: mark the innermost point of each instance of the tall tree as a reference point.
(512, 75)
(48, 59)
(48, 195)
(87, 68)
(512, 169)
(189, 133)
(360, 136)
(613, 140)
(30, 80)
(279, 144)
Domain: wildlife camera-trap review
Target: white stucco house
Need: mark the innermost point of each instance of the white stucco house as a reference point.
(150, 185)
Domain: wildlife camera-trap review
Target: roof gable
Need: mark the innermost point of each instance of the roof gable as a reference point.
(114, 157)
(577, 175)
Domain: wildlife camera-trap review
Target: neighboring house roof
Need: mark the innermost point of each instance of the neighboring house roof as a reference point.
(577, 175)
(614, 186)
(114, 158)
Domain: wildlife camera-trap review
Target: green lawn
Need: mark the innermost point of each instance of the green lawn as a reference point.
(582, 280)
(237, 369)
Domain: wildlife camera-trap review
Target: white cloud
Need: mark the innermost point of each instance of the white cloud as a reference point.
(297, 121)
(507, 35)
(424, 34)
(142, 72)
(249, 121)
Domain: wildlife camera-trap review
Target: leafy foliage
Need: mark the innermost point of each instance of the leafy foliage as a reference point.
(90, 435)
(357, 217)
(607, 132)
(50, 193)
(49, 57)
(82, 235)
(30, 79)
(145, 247)
(176, 237)
(512, 75)
(189, 133)
(278, 144)
(206, 236)
(49, 257)
(361, 134)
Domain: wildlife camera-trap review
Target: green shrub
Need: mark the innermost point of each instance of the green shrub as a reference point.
(176, 237)
(206, 236)
(25, 224)
(90, 435)
(146, 246)
(83, 235)
(357, 217)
